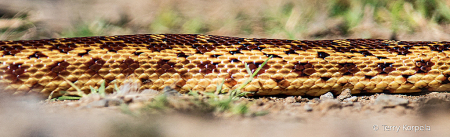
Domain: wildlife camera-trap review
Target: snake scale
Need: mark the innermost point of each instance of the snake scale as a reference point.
(199, 62)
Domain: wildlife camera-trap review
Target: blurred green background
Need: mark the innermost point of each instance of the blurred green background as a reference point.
(290, 19)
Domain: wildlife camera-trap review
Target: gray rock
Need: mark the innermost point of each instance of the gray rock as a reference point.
(327, 95)
(344, 94)
(290, 99)
(354, 99)
(390, 101)
(347, 103)
(307, 107)
(351, 99)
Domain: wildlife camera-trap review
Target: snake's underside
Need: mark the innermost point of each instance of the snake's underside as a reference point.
(200, 62)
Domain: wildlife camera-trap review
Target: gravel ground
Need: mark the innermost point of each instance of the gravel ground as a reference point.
(344, 115)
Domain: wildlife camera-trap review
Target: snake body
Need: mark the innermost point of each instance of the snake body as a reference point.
(200, 62)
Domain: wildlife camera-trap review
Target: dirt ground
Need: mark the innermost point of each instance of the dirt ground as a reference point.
(344, 115)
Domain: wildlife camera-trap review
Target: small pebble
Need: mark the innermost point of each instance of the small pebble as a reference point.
(390, 101)
(290, 99)
(347, 103)
(307, 107)
(353, 99)
(344, 94)
(327, 95)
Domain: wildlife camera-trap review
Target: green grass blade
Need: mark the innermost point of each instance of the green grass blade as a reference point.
(248, 69)
(243, 94)
(116, 88)
(79, 92)
(93, 90)
(101, 90)
(240, 109)
(219, 87)
(50, 96)
(260, 67)
(68, 98)
(193, 93)
(251, 76)
(211, 95)
(232, 93)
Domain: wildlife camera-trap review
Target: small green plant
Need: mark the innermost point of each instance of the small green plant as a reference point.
(159, 102)
(79, 94)
(210, 102)
(204, 102)
(236, 92)
(219, 87)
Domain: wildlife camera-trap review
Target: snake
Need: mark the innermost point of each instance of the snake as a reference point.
(197, 62)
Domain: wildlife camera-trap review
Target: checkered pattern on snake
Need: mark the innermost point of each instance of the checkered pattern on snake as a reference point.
(199, 62)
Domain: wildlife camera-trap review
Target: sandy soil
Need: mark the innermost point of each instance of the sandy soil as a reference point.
(344, 115)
